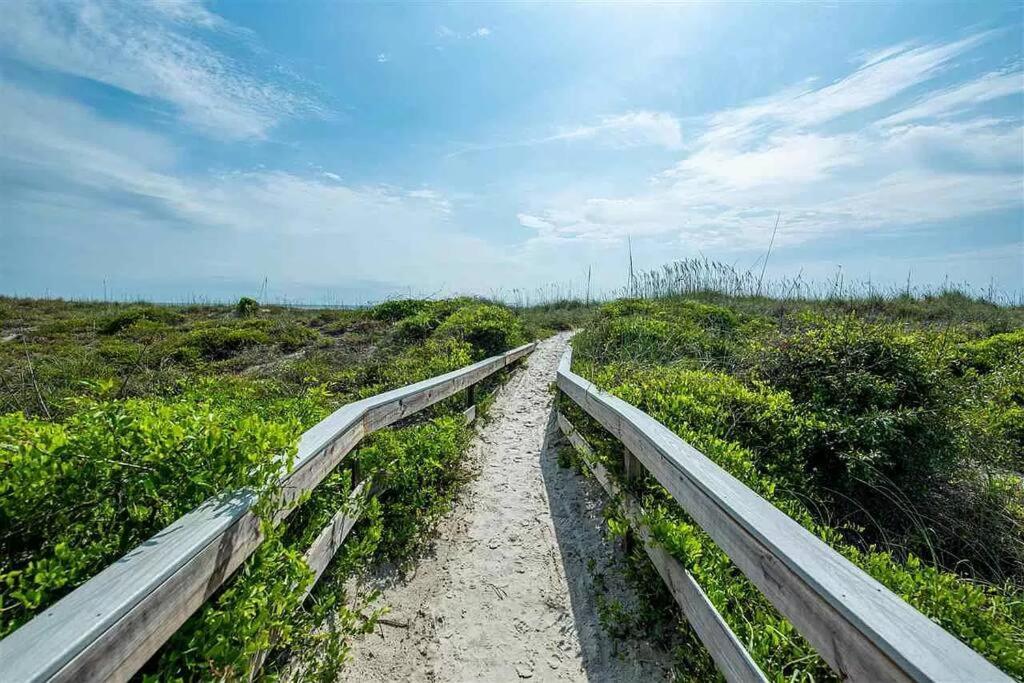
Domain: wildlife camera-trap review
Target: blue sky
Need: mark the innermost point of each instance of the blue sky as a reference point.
(345, 152)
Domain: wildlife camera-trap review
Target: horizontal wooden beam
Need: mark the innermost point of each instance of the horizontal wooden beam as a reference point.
(862, 629)
(731, 658)
(112, 624)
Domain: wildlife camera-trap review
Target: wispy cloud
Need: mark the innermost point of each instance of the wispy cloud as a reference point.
(78, 171)
(447, 33)
(962, 97)
(790, 152)
(621, 131)
(157, 50)
(881, 77)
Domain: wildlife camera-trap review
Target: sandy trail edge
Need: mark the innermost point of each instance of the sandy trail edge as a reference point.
(508, 591)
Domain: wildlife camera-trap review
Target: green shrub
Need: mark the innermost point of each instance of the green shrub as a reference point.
(421, 469)
(646, 340)
(423, 361)
(621, 308)
(419, 326)
(884, 398)
(396, 309)
(133, 314)
(422, 323)
(247, 308)
(291, 337)
(996, 351)
(490, 329)
(76, 496)
(221, 342)
(766, 422)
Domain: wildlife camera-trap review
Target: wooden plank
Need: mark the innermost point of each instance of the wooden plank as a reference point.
(863, 630)
(469, 414)
(319, 555)
(725, 649)
(330, 538)
(110, 626)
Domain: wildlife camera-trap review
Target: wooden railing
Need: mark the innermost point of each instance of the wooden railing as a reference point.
(111, 625)
(860, 628)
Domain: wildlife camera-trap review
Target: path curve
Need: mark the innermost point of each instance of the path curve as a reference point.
(509, 590)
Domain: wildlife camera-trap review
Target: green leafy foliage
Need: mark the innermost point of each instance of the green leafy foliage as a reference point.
(247, 308)
(884, 399)
(488, 328)
(997, 351)
(119, 421)
(898, 444)
(396, 309)
(134, 315)
(78, 495)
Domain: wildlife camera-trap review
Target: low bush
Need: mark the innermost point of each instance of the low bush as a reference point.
(396, 309)
(247, 308)
(488, 328)
(133, 314)
(220, 342)
(999, 350)
(884, 398)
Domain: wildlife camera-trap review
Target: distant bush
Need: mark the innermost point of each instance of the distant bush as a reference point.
(628, 307)
(220, 342)
(489, 328)
(291, 337)
(646, 332)
(125, 319)
(247, 308)
(396, 309)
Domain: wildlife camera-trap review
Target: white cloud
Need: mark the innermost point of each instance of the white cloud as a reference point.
(787, 152)
(962, 97)
(78, 171)
(481, 32)
(383, 57)
(528, 221)
(794, 158)
(622, 131)
(632, 129)
(883, 76)
(155, 50)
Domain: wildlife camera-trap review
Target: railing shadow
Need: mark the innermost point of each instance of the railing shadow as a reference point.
(592, 565)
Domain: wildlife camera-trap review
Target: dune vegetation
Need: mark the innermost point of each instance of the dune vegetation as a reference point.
(891, 427)
(116, 419)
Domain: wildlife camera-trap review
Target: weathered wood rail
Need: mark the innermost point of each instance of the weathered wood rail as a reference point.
(860, 628)
(111, 625)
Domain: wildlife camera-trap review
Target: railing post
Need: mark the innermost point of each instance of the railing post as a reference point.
(632, 471)
(470, 396)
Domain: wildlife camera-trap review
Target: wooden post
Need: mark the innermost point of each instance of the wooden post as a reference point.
(470, 396)
(632, 470)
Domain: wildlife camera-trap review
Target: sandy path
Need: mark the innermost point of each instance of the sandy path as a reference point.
(508, 591)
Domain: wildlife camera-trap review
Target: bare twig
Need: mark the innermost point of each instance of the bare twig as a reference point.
(35, 384)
